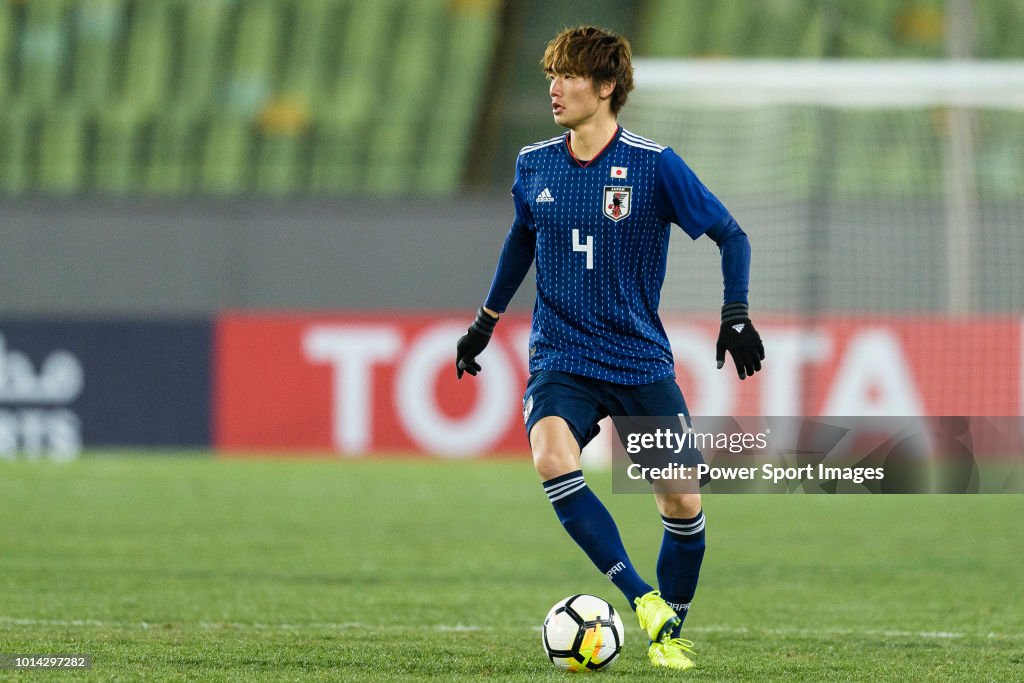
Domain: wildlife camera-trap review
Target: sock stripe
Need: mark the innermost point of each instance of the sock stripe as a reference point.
(567, 492)
(555, 484)
(688, 532)
(685, 529)
(681, 525)
(562, 485)
(692, 521)
(575, 474)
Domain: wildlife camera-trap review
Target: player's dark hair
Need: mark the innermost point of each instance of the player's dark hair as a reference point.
(595, 53)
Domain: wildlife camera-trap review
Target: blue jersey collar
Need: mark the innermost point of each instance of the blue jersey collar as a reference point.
(567, 150)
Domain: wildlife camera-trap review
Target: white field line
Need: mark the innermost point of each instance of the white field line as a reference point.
(458, 628)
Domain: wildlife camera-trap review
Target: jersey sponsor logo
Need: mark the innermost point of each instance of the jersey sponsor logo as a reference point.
(545, 197)
(617, 204)
(620, 172)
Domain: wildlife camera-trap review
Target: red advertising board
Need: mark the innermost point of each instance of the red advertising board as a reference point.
(356, 384)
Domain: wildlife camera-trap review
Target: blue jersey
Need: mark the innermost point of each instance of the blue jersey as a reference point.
(600, 231)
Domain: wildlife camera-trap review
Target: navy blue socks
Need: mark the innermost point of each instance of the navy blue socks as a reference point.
(682, 551)
(592, 527)
(589, 524)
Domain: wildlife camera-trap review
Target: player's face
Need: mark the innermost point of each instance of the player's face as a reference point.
(574, 99)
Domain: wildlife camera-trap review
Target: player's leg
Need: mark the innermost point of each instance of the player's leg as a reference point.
(561, 417)
(682, 549)
(679, 561)
(555, 450)
(682, 546)
(556, 457)
(589, 523)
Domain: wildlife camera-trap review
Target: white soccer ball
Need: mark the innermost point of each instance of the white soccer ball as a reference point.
(582, 632)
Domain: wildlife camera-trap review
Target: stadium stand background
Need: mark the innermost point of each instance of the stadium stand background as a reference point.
(283, 153)
(341, 97)
(221, 97)
(872, 29)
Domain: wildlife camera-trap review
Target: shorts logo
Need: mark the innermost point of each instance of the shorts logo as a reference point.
(527, 409)
(617, 202)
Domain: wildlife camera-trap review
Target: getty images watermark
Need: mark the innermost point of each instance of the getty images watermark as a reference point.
(818, 454)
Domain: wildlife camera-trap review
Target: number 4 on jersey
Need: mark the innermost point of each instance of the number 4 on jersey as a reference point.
(586, 247)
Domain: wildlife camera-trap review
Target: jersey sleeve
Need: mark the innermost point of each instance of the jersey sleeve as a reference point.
(681, 198)
(735, 249)
(523, 217)
(516, 254)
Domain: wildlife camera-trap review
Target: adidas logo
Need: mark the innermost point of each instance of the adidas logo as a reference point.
(545, 196)
(739, 327)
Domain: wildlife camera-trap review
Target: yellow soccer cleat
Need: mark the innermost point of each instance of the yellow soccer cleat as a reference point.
(655, 616)
(671, 654)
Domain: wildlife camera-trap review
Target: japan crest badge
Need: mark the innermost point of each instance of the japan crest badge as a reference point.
(616, 204)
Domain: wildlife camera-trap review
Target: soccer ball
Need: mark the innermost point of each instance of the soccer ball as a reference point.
(582, 632)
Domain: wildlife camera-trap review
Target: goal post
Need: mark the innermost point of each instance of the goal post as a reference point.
(866, 84)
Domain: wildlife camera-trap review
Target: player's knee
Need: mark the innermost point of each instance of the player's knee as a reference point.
(679, 505)
(553, 462)
(555, 451)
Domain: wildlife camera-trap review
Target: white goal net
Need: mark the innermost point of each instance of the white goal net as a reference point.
(865, 187)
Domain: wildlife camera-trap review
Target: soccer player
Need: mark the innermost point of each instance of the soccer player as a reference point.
(593, 207)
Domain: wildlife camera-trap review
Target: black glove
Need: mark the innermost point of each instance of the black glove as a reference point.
(473, 342)
(738, 336)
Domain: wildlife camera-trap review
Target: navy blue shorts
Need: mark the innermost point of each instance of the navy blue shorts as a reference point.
(583, 401)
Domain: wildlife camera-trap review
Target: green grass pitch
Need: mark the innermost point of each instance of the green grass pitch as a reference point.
(175, 567)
